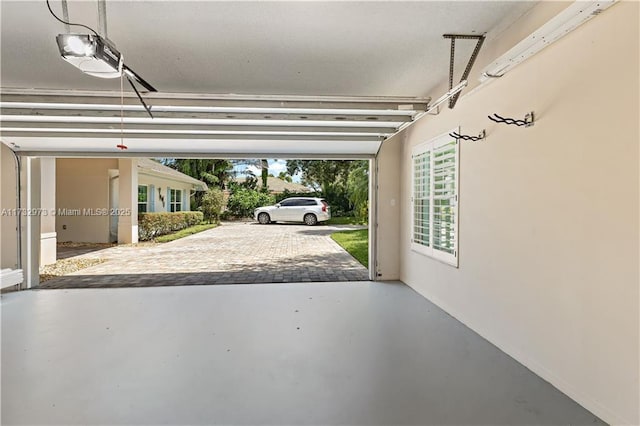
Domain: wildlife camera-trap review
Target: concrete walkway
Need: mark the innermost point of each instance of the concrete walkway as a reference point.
(233, 253)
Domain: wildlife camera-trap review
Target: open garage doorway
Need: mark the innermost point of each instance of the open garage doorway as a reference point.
(68, 145)
(202, 221)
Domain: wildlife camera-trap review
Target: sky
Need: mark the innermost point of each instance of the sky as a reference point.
(275, 167)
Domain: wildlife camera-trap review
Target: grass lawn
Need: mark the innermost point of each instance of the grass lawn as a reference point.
(344, 220)
(355, 242)
(184, 232)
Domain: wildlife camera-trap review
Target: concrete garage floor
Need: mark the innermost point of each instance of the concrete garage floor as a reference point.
(285, 354)
(233, 253)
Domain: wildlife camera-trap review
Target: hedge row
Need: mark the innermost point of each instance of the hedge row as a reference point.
(151, 225)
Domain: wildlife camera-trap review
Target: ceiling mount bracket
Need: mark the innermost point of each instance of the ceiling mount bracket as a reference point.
(480, 40)
(434, 111)
(102, 18)
(65, 16)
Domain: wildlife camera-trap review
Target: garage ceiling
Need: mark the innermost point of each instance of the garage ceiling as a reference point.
(382, 56)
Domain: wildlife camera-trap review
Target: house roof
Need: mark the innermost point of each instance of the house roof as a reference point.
(278, 185)
(150, 166)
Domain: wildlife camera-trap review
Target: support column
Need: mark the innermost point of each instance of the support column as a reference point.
(48, 237)
(31, 222)
(128, 201)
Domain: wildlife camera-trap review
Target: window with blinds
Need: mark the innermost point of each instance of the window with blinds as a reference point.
(435, 199)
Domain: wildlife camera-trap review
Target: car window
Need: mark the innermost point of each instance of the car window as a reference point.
(293, 202)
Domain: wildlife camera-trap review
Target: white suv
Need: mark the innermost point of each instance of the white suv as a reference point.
(296, 209)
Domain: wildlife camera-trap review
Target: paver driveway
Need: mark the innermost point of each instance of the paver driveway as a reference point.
(233, 253)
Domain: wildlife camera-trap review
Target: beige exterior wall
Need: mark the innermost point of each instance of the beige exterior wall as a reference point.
(83, 184)
(548, 242)
(8, 223)
(388, 210)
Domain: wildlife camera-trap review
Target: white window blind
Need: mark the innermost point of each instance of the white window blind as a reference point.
(422, 198)
(435, 199)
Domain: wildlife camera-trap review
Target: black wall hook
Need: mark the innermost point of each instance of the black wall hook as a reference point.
(482, 135)
(528, 121)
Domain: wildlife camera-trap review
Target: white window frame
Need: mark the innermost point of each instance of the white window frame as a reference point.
(175, 201)
(431, 146)
(145, 203)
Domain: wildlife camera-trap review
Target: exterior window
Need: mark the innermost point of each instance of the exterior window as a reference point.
(176, 200)
(435, 199)
(143, 197)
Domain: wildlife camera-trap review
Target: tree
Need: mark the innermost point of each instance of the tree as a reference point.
(331, 178)
(211, 205)
(250, 182)
(215, 173)
(285, 176)
(211, 171)
(321, 174)
(264, 165)
(358, 189)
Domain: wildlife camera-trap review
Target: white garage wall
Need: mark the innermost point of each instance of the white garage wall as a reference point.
(549, 215)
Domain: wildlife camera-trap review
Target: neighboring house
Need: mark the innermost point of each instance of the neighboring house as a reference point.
(278, 186)
(86, 188)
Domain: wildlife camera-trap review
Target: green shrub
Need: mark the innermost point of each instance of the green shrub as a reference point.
(243, 201)
(151, 225)
(212, 203)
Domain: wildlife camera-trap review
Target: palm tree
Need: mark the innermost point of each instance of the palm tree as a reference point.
(285, 177)
(212, 172)
(264, 165)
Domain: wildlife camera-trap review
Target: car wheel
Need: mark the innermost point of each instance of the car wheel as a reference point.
(310, 219)
(264, 218)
